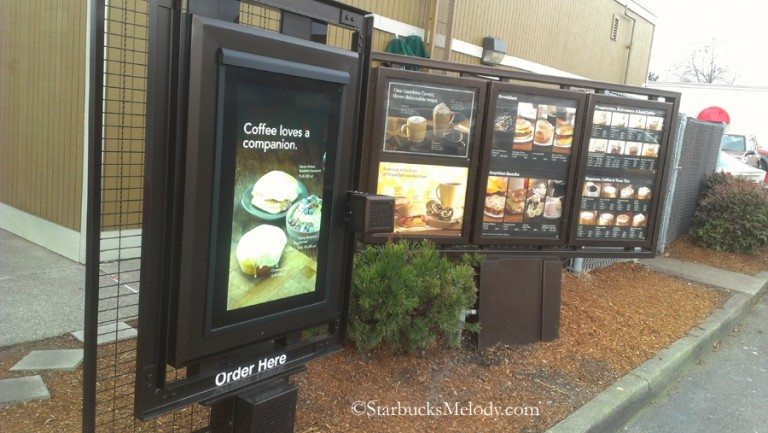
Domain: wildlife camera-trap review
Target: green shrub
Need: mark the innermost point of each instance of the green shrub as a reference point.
(406, 296)
(732, 215)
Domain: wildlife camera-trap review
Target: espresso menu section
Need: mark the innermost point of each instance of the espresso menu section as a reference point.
(614, 207)
(528, 169)
(615, 199)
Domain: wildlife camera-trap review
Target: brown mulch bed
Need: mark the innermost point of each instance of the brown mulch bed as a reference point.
(613, 319)
(683, 248)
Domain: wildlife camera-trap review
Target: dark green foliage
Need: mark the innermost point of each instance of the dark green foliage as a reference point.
(406, 296)
(732, 215)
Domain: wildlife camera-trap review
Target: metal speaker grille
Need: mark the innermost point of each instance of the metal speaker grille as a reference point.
(381, 214)
(277, 415)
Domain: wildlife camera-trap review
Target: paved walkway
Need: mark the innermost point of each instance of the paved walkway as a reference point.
(41, 292)
(726, 392)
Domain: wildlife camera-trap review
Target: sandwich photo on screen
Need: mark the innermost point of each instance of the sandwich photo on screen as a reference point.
(280, 126)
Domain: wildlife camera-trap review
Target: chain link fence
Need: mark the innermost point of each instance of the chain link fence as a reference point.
(696, 158)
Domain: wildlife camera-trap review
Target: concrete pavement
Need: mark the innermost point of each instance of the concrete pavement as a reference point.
(610, 410)
(726, 392)
(41, 292)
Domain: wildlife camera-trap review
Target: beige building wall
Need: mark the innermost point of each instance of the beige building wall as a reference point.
(413, 12)
(42, 80)
(42, 55)
(574, 36)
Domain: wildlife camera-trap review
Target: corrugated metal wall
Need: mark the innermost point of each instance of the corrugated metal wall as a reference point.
(42, 55)
(573, 36)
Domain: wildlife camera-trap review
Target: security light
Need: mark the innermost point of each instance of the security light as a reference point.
(494, 51)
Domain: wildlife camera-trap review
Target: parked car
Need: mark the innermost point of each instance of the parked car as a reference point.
(734, 166)
(746, 148)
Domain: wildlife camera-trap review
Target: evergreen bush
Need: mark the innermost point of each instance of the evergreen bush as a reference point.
(406, 296)
(732, 215)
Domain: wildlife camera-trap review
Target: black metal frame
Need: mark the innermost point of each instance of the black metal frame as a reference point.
(496, 88)
(95, 94)
(632, 94)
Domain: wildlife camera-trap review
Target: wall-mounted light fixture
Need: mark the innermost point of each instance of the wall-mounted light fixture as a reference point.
(493, 51)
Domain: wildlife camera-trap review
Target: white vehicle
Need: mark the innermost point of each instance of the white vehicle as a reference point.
(732, 165)
(745, 148)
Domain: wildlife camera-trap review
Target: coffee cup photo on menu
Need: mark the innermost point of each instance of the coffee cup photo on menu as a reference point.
(428, 120)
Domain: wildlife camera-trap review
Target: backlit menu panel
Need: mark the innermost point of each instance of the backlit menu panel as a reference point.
(527, 165)
(621, 166)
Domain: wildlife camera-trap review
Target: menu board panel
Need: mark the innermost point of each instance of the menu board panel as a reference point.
(621, 172)
(527, 165)
(428, 119)
(429, 199)
(423, 151)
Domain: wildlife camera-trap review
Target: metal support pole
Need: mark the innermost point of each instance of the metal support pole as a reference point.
(576, 264)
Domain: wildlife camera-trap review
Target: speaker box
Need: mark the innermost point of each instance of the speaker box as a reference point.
(371, 213)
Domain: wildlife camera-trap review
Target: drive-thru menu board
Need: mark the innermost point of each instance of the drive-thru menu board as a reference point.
(620, 172)
(527, 165)
(424, 138)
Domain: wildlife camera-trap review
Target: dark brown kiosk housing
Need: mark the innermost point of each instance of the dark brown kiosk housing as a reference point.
(551, 168)
(251, 155)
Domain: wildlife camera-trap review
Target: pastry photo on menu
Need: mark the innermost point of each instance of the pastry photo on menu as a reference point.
(495, 198)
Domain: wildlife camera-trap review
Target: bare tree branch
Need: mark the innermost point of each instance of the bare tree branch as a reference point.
(704, 66)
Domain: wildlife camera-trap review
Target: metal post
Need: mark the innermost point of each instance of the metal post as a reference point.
(576, 264)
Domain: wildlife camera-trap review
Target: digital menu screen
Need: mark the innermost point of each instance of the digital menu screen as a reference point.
(280, 127)
(429, 199)
(428, 119)
(620, 172)
(529, 166)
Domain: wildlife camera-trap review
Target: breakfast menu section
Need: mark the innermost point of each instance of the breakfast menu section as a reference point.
(429, 199)
(280, 128)
(529, 165)
(429, 120)
(625, 137)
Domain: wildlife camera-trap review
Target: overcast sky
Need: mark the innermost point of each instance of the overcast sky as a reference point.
(739, 27)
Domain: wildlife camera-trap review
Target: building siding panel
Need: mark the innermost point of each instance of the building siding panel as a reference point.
(41, 108)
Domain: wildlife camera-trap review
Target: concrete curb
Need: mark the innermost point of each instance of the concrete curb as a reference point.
(610, 410)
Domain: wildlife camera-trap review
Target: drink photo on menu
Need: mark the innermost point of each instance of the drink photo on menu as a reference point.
(625, 138)
(428, 119)
(429, 199)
